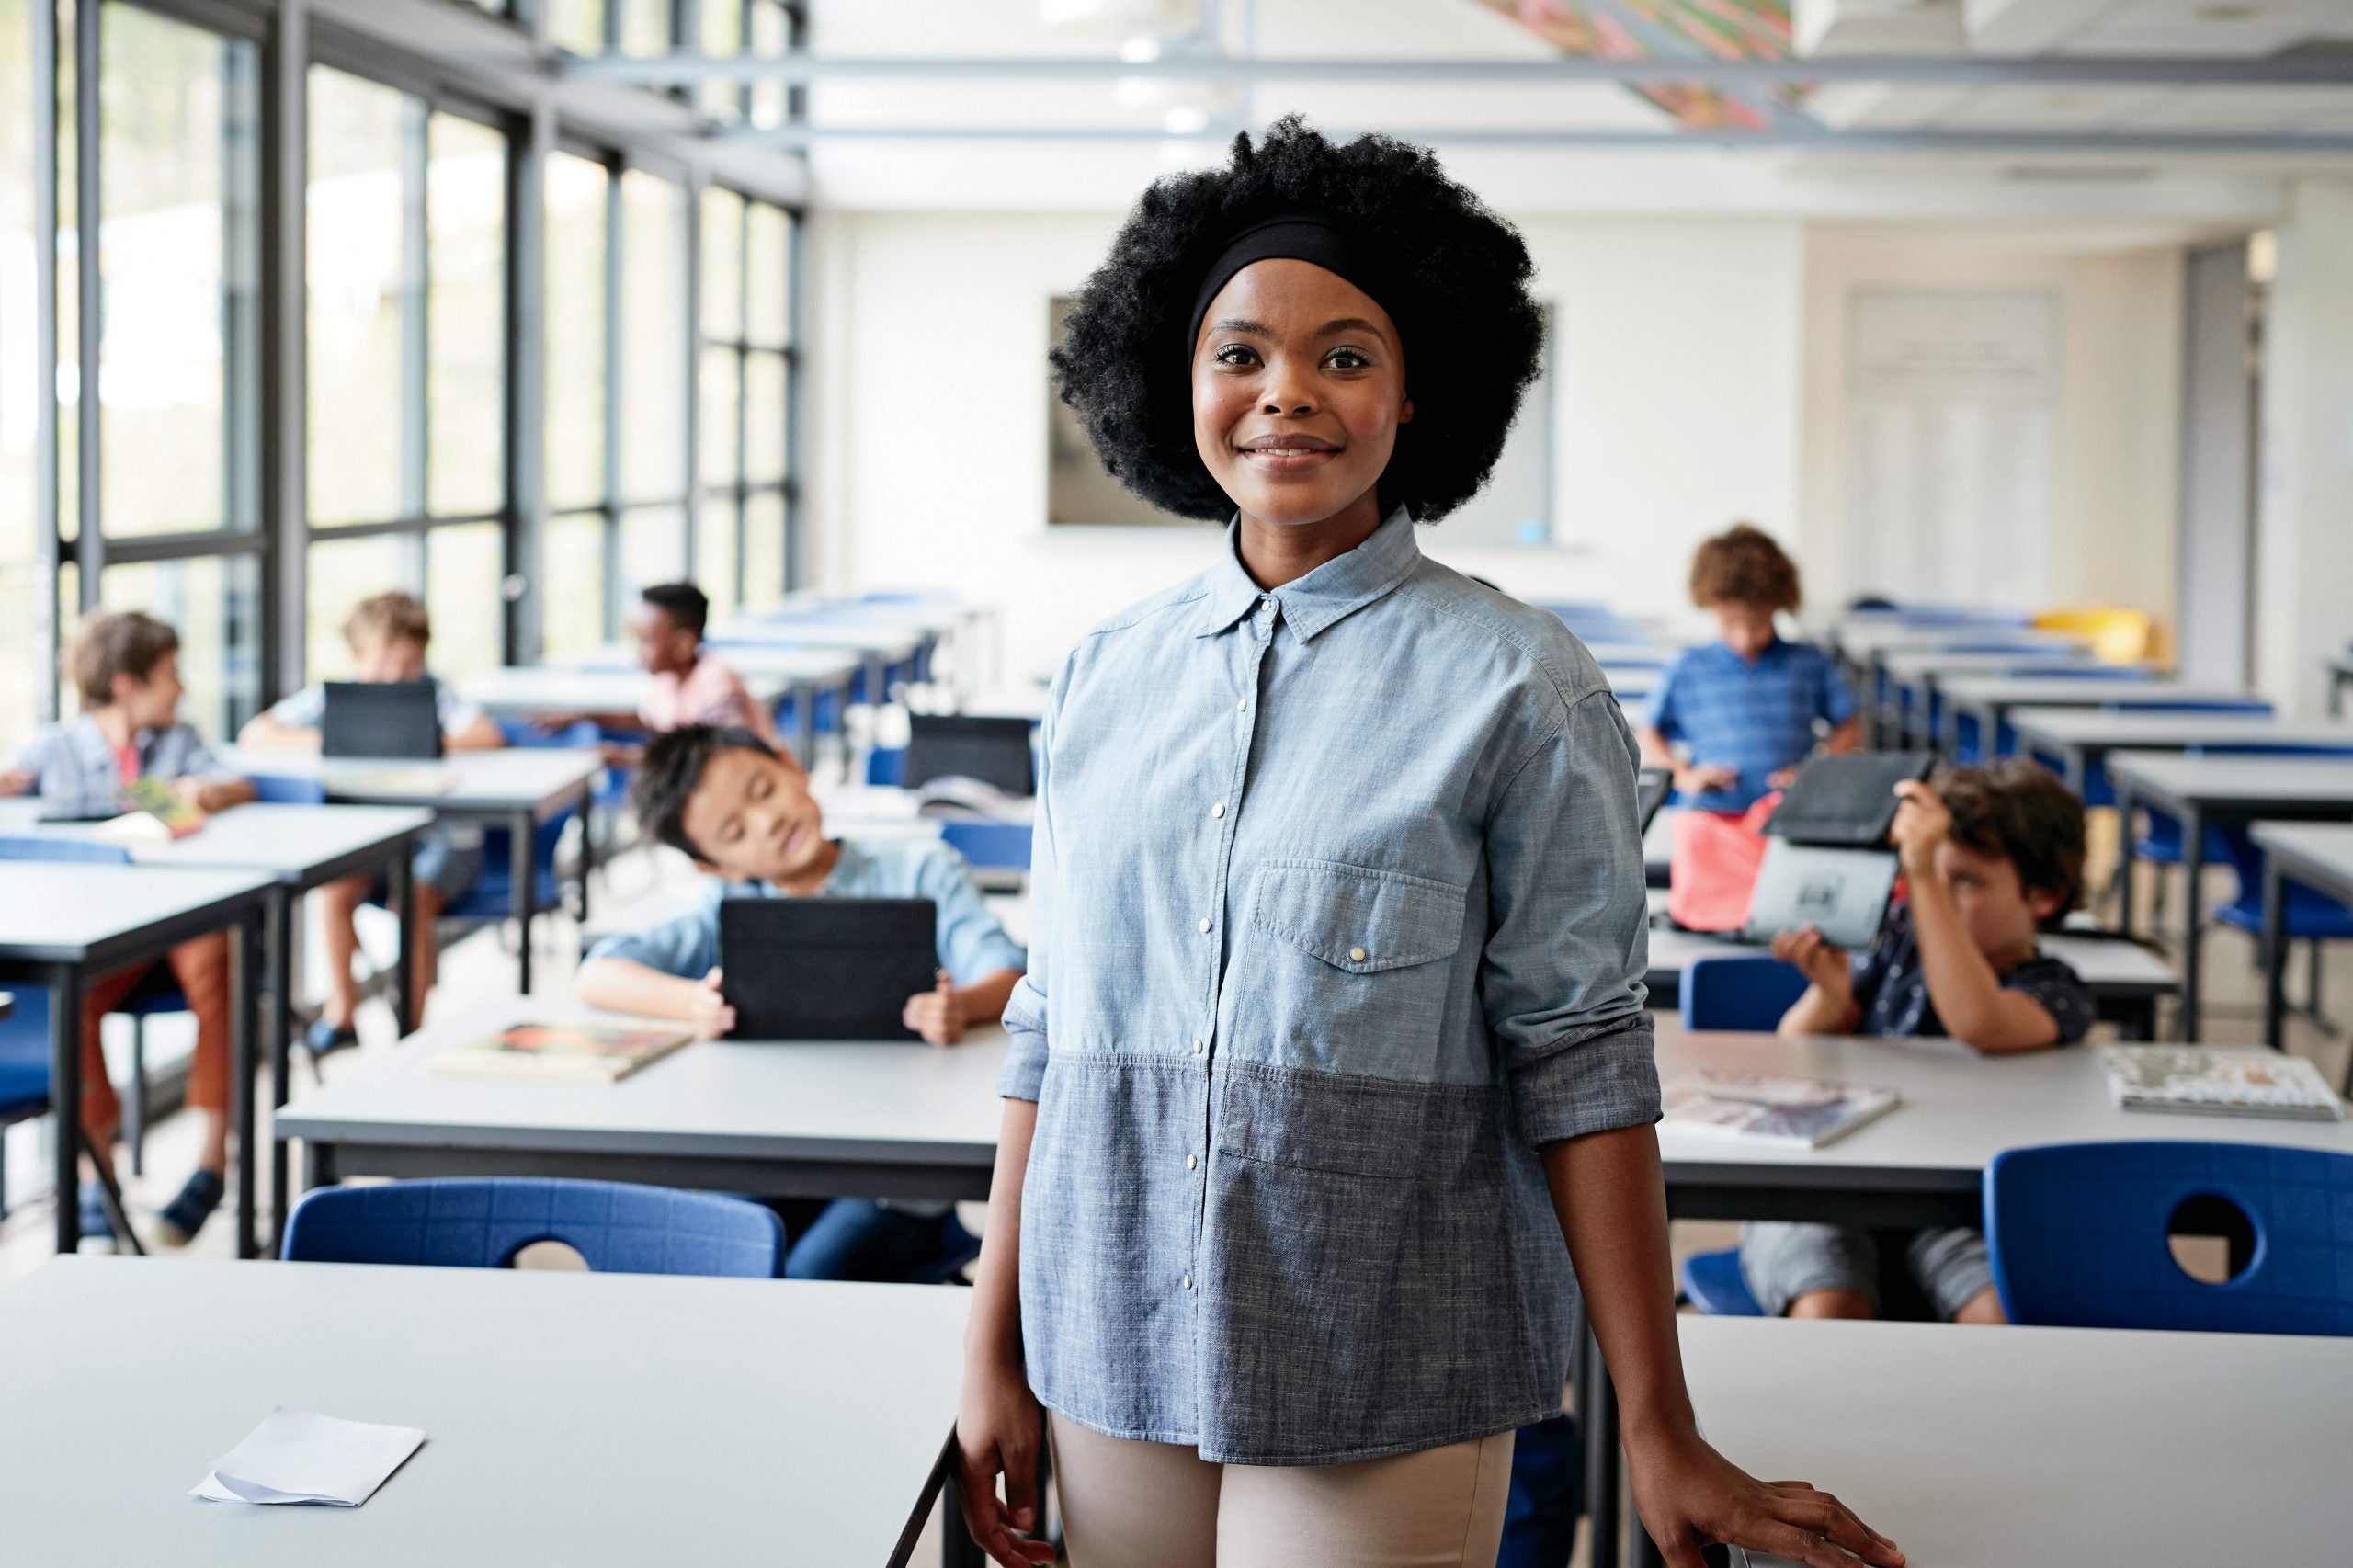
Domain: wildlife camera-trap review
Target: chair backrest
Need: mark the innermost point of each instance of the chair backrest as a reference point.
(2077, 1236)
(990, 844)
(1739, 991)
(44, 846)
(577, 735)
(288, 790)
(482, 1224)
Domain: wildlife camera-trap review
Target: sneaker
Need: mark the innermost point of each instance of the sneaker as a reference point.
(325, 1039)
(177, 1226)
(96, 1226)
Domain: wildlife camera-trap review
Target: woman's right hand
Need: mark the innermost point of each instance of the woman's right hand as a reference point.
(999, 1430)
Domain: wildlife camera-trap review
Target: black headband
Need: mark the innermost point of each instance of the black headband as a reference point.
(1295, 238)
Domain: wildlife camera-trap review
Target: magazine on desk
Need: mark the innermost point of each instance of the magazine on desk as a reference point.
(579, 1053)
(2193, 1080)
(1778, 1113)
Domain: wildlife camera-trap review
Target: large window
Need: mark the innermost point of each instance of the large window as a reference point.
(407, 229)
(746, 363)
(24, 651)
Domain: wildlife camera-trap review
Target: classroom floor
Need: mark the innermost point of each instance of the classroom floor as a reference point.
(481, 967)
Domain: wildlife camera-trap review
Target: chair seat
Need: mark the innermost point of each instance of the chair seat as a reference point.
(2309, 920)
(1712, 1281)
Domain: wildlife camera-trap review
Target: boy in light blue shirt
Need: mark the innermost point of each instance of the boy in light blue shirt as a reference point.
(743, 814)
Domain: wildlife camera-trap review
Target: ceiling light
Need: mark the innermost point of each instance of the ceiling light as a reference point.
(1140, 49)
(1185, 119)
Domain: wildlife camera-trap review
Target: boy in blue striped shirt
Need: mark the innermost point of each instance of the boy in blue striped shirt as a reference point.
(1746, 708)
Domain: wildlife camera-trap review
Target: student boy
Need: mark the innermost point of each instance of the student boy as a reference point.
(1744, 705)
(388, 635)
(691, 685)
(126, 666)
(747, 818)
(1991, 855)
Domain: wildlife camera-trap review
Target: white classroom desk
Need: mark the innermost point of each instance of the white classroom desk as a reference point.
(63, 924)
(2217, 790)
(2318, 856)
(1924, 1162)
(1633, 655)
(799, 1119)
(513, 689)
(2043, 1448)
(1990, 699)
(1911, 681)
(2126, 980)
(511, 787)
(2079, 740)
(876, 646)
(592, 1420)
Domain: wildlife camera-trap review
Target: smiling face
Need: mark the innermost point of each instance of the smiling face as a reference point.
(753, 818)
(1299, 386)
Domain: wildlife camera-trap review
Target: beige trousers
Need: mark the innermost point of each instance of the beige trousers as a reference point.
(1135, 1505)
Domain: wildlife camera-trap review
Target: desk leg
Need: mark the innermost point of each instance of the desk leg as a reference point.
(2275, 954)
(2124, 831)
(587, 844)
(400, 878)
(245, 1016)
(1598, 1413)
(2193, 870)
(957, 1547)
(804, 724)
(523, 867)
(279, 923)
(65, 1098)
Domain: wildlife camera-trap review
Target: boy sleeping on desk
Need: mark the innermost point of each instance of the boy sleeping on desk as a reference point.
(1991, 855)
(743, 814)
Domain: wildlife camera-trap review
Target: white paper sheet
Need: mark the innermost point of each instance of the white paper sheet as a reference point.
(298, 1456)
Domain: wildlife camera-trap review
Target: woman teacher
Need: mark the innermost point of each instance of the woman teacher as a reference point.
(1333, 1031)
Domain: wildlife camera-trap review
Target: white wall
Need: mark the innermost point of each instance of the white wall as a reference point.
(1678, 358)
(2304, 516)
(2118, 405)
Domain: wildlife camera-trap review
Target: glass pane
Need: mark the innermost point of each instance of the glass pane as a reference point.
(645, 25)
(363, 269)
(578, 192)
(573, 601)
(654, 337)
(69, 610)
(767, 274)
(770, 36)
(654, 549)
(340, 572)
(179, 252)
(723, 34)
(69, 287)
(23, 651)
(722, 265)
(715, 551)
(464, 568)
(762, 548)
(465, 209)
(718, 432)
(215, 603)
(577, 25)
(763, 417)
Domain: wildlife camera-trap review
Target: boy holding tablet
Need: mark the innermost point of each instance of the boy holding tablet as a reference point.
(1991, 855)
(744, 815)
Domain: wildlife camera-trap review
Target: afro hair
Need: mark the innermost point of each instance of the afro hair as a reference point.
(1474, 344)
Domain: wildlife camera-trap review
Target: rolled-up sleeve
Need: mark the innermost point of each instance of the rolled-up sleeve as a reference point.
(1568, 943)
(685, 944)
(1025, 1011)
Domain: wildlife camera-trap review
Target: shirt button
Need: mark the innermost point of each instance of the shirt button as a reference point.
(1199, 1047)
(1188, 1283)
(1218, 809)
(1205, 927)
(1192, 1161)
(1356, 955)
(1242, 706)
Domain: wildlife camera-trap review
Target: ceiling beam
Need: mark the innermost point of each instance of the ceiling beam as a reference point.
(2320, 68)
(2129, 144)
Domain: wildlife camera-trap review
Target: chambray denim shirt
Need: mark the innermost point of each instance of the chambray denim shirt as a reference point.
(74, 763)
(1338, 916)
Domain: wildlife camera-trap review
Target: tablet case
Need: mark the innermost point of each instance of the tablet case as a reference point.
(1842, 891)
(993, 750)
(826, 967)
(380, 719)
(1847, 798)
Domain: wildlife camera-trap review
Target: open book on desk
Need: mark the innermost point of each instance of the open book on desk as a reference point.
(579, 1053)
(1780, 1113)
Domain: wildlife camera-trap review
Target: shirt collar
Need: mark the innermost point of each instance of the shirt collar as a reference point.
(1330, 594)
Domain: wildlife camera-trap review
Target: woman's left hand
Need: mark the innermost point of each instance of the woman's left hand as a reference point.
(1688, 1496)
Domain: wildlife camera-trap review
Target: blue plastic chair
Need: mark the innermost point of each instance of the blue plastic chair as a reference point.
(1739, 991)
(885, 765)
(483, 1223)
(1711, 1282)
(2310, 916)
(990, 845)
(24, 1068)
(2076, 1233)
(287, 790)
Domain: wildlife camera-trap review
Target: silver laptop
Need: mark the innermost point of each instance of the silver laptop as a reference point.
(1843, 891)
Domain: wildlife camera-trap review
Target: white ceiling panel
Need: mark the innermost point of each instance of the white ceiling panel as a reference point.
(2050, 108)
(2250, 109)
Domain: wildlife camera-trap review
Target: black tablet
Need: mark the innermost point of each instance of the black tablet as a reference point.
(993, 750)
(826, 967)
(1847, 798)
(389, 718)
